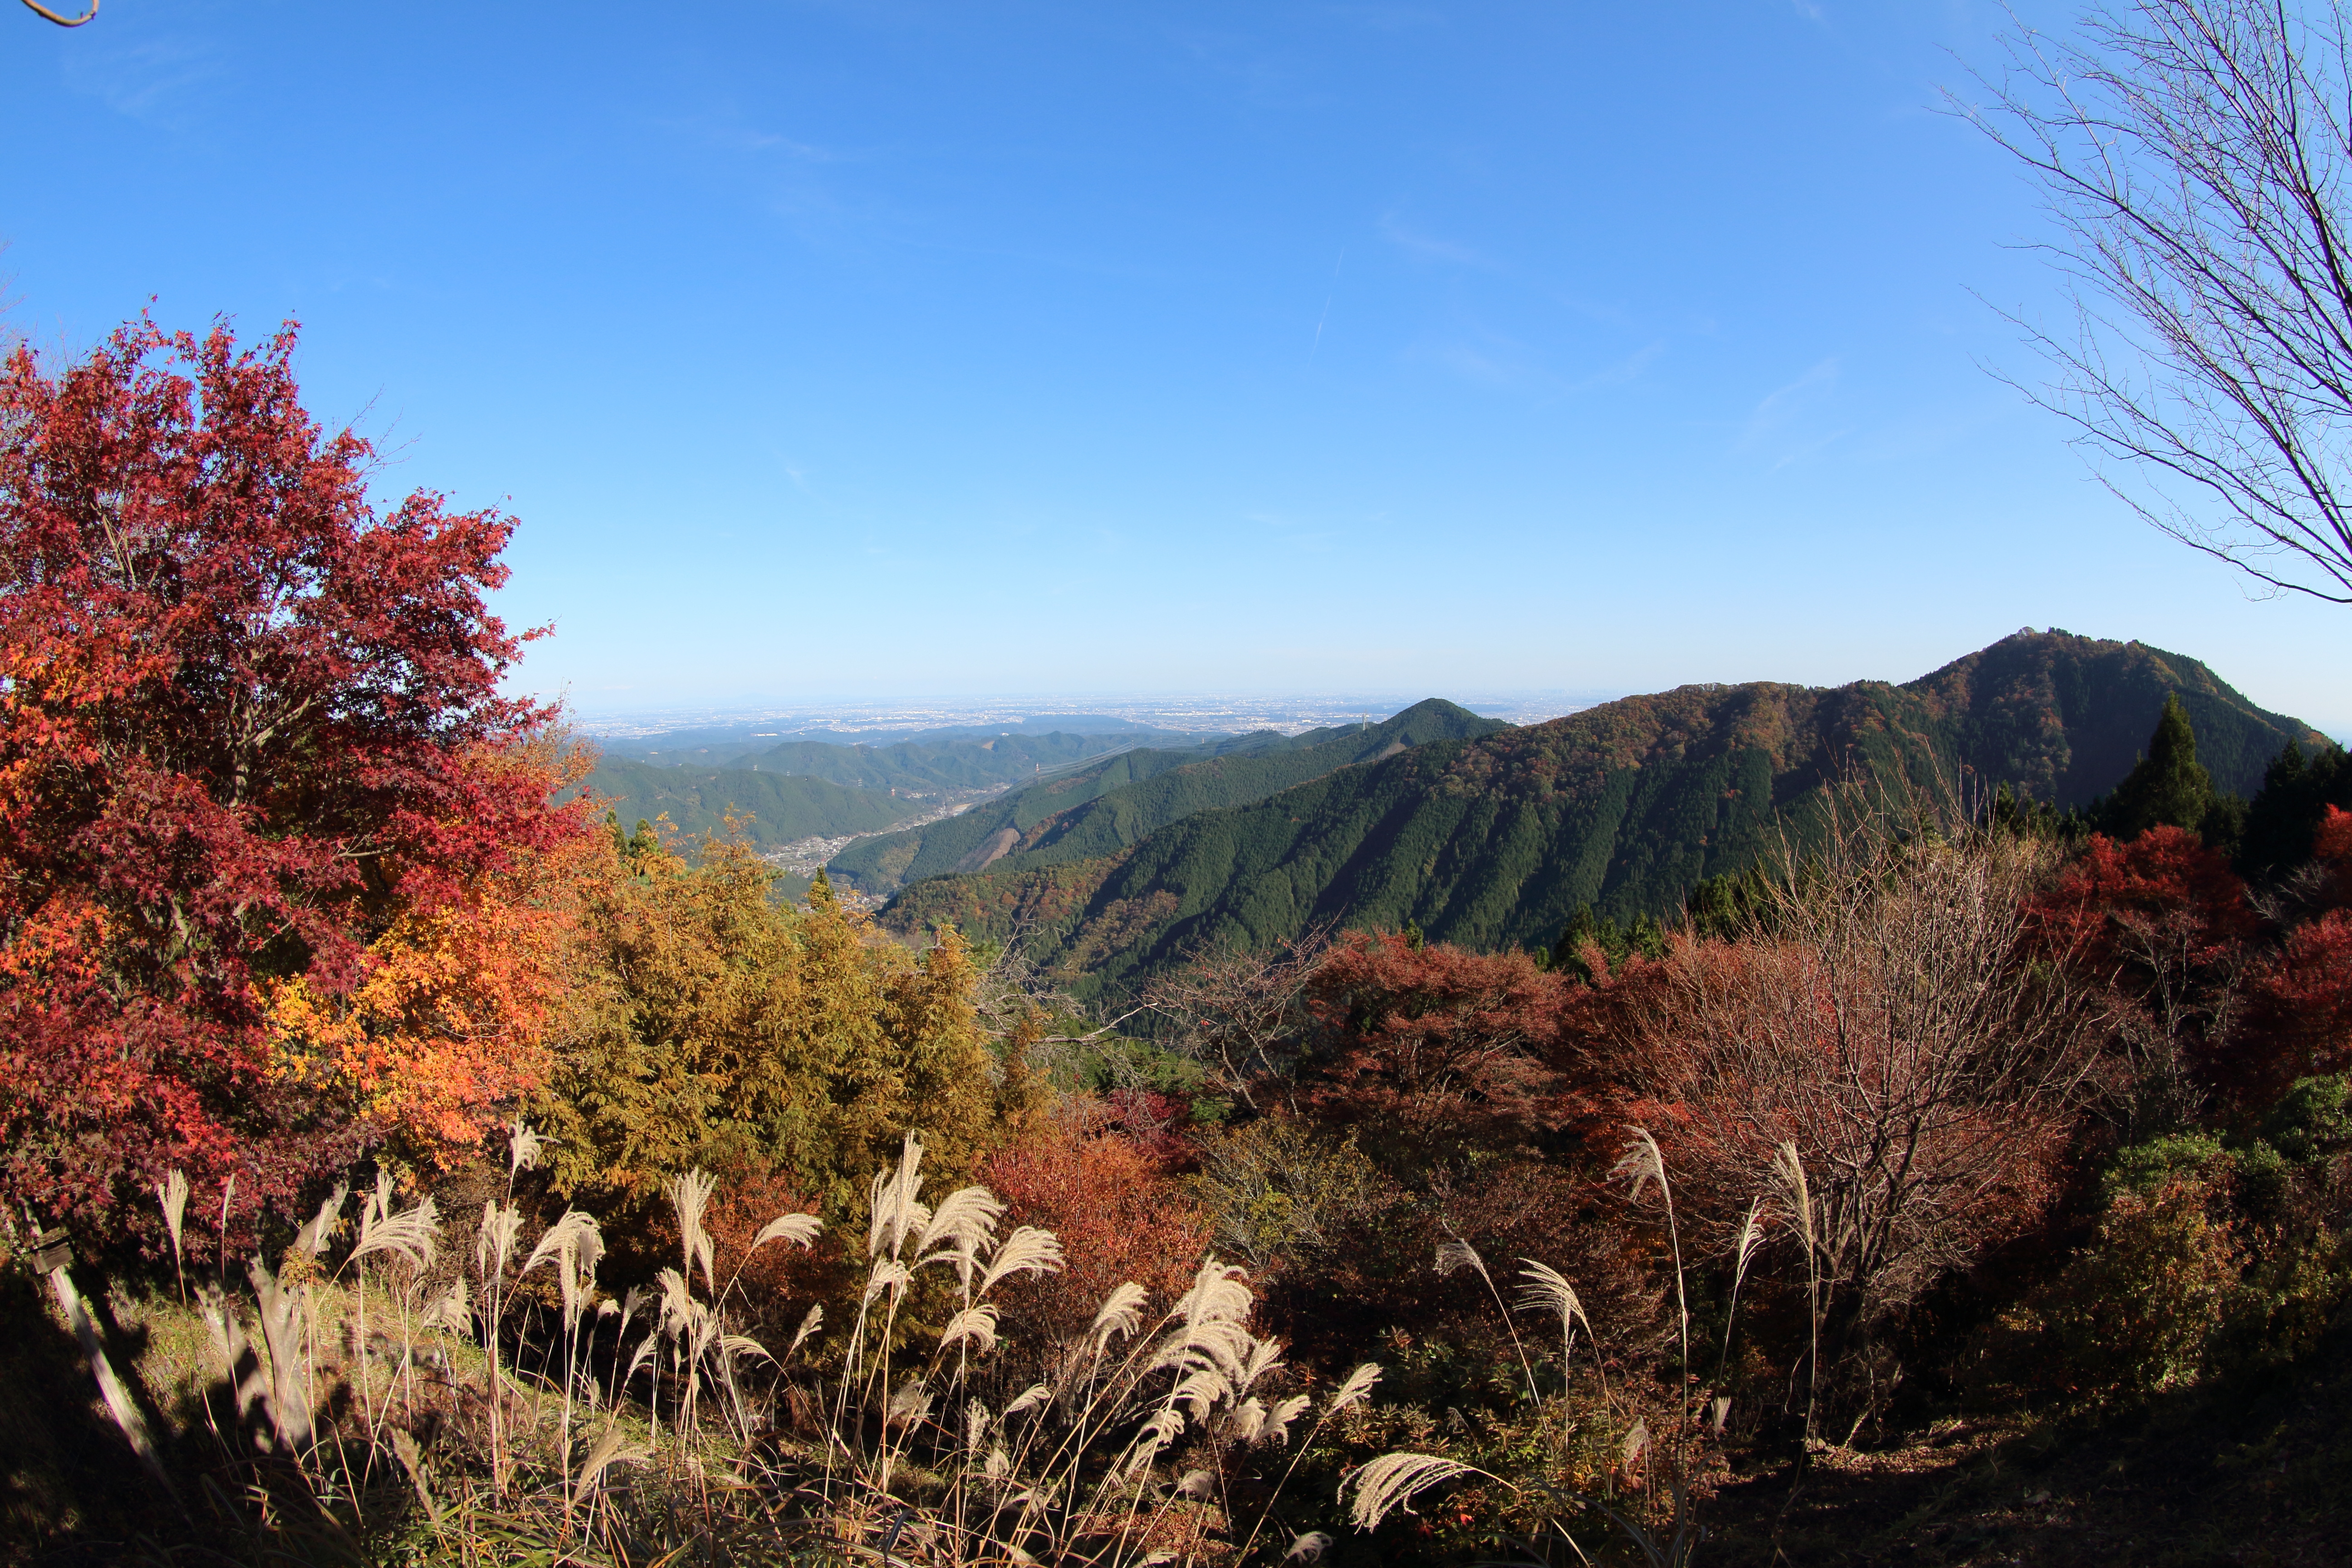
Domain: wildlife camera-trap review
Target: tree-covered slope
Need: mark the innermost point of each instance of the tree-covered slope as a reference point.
(779, 807)
(1104, 807)
(1497, 842)
(929, 766)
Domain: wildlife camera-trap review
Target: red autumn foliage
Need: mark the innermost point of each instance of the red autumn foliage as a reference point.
(1430, 1050)
(2299, 1022)
(245, 720)
(2120, 904)
(1120, 1215)
(2164, 927)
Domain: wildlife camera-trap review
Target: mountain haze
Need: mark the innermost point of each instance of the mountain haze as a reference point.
(1102, 809)
(1496, 841)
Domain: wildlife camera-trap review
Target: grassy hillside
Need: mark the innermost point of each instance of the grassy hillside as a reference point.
(779, 807)
(1105, 807)
(1496, 842)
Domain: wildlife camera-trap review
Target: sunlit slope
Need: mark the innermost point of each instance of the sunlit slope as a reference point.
(775, 808)
(1106, 807)
(1496, 842)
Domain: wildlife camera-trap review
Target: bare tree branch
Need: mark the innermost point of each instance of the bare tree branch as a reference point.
(2195, 158)
(46, 13)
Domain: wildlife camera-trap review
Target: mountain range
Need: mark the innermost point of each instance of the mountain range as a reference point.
(1495, 839)
(771, 808)
(1103, 807)
(803, 788)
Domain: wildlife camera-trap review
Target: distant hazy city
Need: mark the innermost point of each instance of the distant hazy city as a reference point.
(878, 723)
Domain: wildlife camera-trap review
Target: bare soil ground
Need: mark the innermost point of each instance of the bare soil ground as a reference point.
(2256, 1471)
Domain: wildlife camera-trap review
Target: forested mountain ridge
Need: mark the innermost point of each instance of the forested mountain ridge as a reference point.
(1103, 808)
(771, 808)
(1496, 842)
(929, 766)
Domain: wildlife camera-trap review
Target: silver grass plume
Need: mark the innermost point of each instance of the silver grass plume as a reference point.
(1796, 1193)
(1032, 1397)
(451, 1309)
(1644, 1162)
(799, 1229)
(313, 1236)
(494, 1239)
(413, 1233)
(564, 1236)
(523, 1147)
(1167, 1424)
(1392, 1481)
(810, 1320)
(610, 1450)
(976, 1324)
(1121, 1315)
(1277, 1427)
(964, 1224)
(889, 1275)
(172, 1191)
(1751, 1237)
(1355, 1390)
(690, 1196)
(1264, 1357)
(894, 1211)
(1548, 1290)
(1636, 1442)
(1201, 1391)
(1308, 1548)
(1454, 1254)
(1027, 1250)
(908, 1406)
(1217, 1294)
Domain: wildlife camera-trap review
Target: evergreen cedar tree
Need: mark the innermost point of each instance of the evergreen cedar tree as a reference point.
(2168, 787)
(249, 728)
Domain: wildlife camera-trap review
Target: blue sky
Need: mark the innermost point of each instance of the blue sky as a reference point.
(839, 351)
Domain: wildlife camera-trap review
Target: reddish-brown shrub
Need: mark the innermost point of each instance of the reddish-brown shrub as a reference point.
(1119, 1213)
(1432, 1051)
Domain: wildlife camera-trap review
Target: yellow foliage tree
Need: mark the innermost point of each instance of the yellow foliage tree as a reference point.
(709, 1023)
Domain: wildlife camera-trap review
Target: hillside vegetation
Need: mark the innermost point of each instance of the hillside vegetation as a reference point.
(402, 1167)
(1497, 842)
(769, 808)
(1105, 807)
(930, 765)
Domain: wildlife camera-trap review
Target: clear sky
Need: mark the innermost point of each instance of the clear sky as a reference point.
(837, 351)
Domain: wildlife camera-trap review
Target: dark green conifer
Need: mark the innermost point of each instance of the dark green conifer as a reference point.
(2167, 786)
(2296, 793)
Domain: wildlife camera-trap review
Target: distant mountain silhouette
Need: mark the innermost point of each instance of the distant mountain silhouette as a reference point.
(1496, 841)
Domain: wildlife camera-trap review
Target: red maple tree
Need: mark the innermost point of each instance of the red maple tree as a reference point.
(246, 723)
